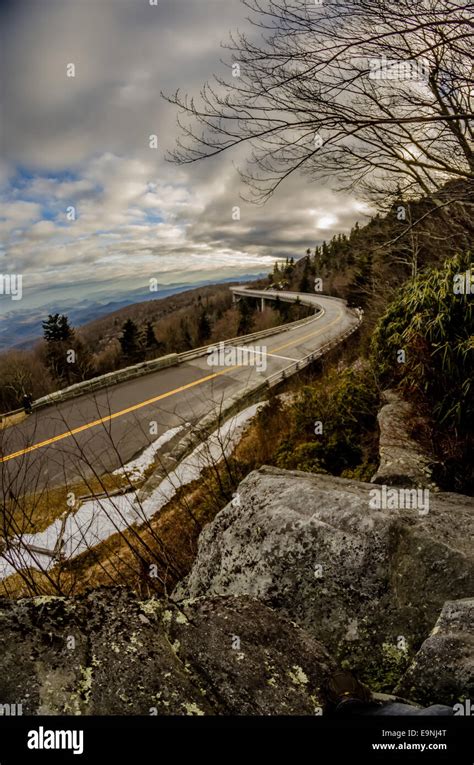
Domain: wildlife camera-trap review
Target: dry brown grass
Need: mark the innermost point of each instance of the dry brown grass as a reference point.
(12, 419)
(30, 582)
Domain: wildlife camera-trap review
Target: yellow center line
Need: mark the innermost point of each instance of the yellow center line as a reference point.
(113, 416)
(311, 334)
(160, 397)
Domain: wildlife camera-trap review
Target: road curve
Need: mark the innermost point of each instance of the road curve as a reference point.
(98, 432)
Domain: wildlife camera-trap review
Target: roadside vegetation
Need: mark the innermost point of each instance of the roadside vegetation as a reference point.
(434, 326)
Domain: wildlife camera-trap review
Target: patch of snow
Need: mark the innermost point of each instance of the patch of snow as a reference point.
(135, 470)
(95, 521)
(219, 445)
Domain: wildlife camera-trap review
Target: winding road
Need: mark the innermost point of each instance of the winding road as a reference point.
(98, 432)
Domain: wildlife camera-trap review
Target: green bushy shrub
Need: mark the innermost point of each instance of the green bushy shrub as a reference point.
(345, 403)
(435, 328)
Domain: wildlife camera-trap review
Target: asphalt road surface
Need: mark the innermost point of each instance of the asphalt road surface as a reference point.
(98, 432)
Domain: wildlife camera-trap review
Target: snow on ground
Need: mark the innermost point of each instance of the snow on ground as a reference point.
(136, 469)
(219, 445)
(94, 521)
(98, 519)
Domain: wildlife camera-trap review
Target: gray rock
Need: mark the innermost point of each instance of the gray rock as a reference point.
(403, 460)
(108, 653)
(368, 583)
(444, 666)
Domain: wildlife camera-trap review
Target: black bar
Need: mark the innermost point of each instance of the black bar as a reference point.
(153, 739)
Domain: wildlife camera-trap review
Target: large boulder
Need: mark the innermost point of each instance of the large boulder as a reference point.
(109, 653)
(369, 583)
(444, 666)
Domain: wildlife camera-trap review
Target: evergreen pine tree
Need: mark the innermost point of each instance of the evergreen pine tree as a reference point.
(304, 281)
(129, 341)
(185, 339)
(204, 327)
(59, 337)
(245, 320)
(150, 340)
(56, 328)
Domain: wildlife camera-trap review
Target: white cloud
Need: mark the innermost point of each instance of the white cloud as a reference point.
(15, 215)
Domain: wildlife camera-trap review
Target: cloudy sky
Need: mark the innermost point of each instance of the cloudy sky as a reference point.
(83, 142)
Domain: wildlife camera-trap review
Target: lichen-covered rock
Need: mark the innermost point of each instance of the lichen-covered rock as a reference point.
(108, 653)
(444, 666)
(368, 583)
(403, 460)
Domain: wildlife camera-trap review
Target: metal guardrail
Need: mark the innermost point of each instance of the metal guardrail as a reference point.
(195, 352)
(295, 366)
(10, 414)
(305, 298)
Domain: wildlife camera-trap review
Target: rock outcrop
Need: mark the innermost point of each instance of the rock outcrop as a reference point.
(444, 666)
(298, 568)
(403, 460)
(109, 653)
(368, 583)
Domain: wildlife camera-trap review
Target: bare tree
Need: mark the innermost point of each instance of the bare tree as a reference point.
(22, 372)
(373, 93)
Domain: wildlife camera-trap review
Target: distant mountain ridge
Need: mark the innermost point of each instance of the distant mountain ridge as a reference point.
(21, 329)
